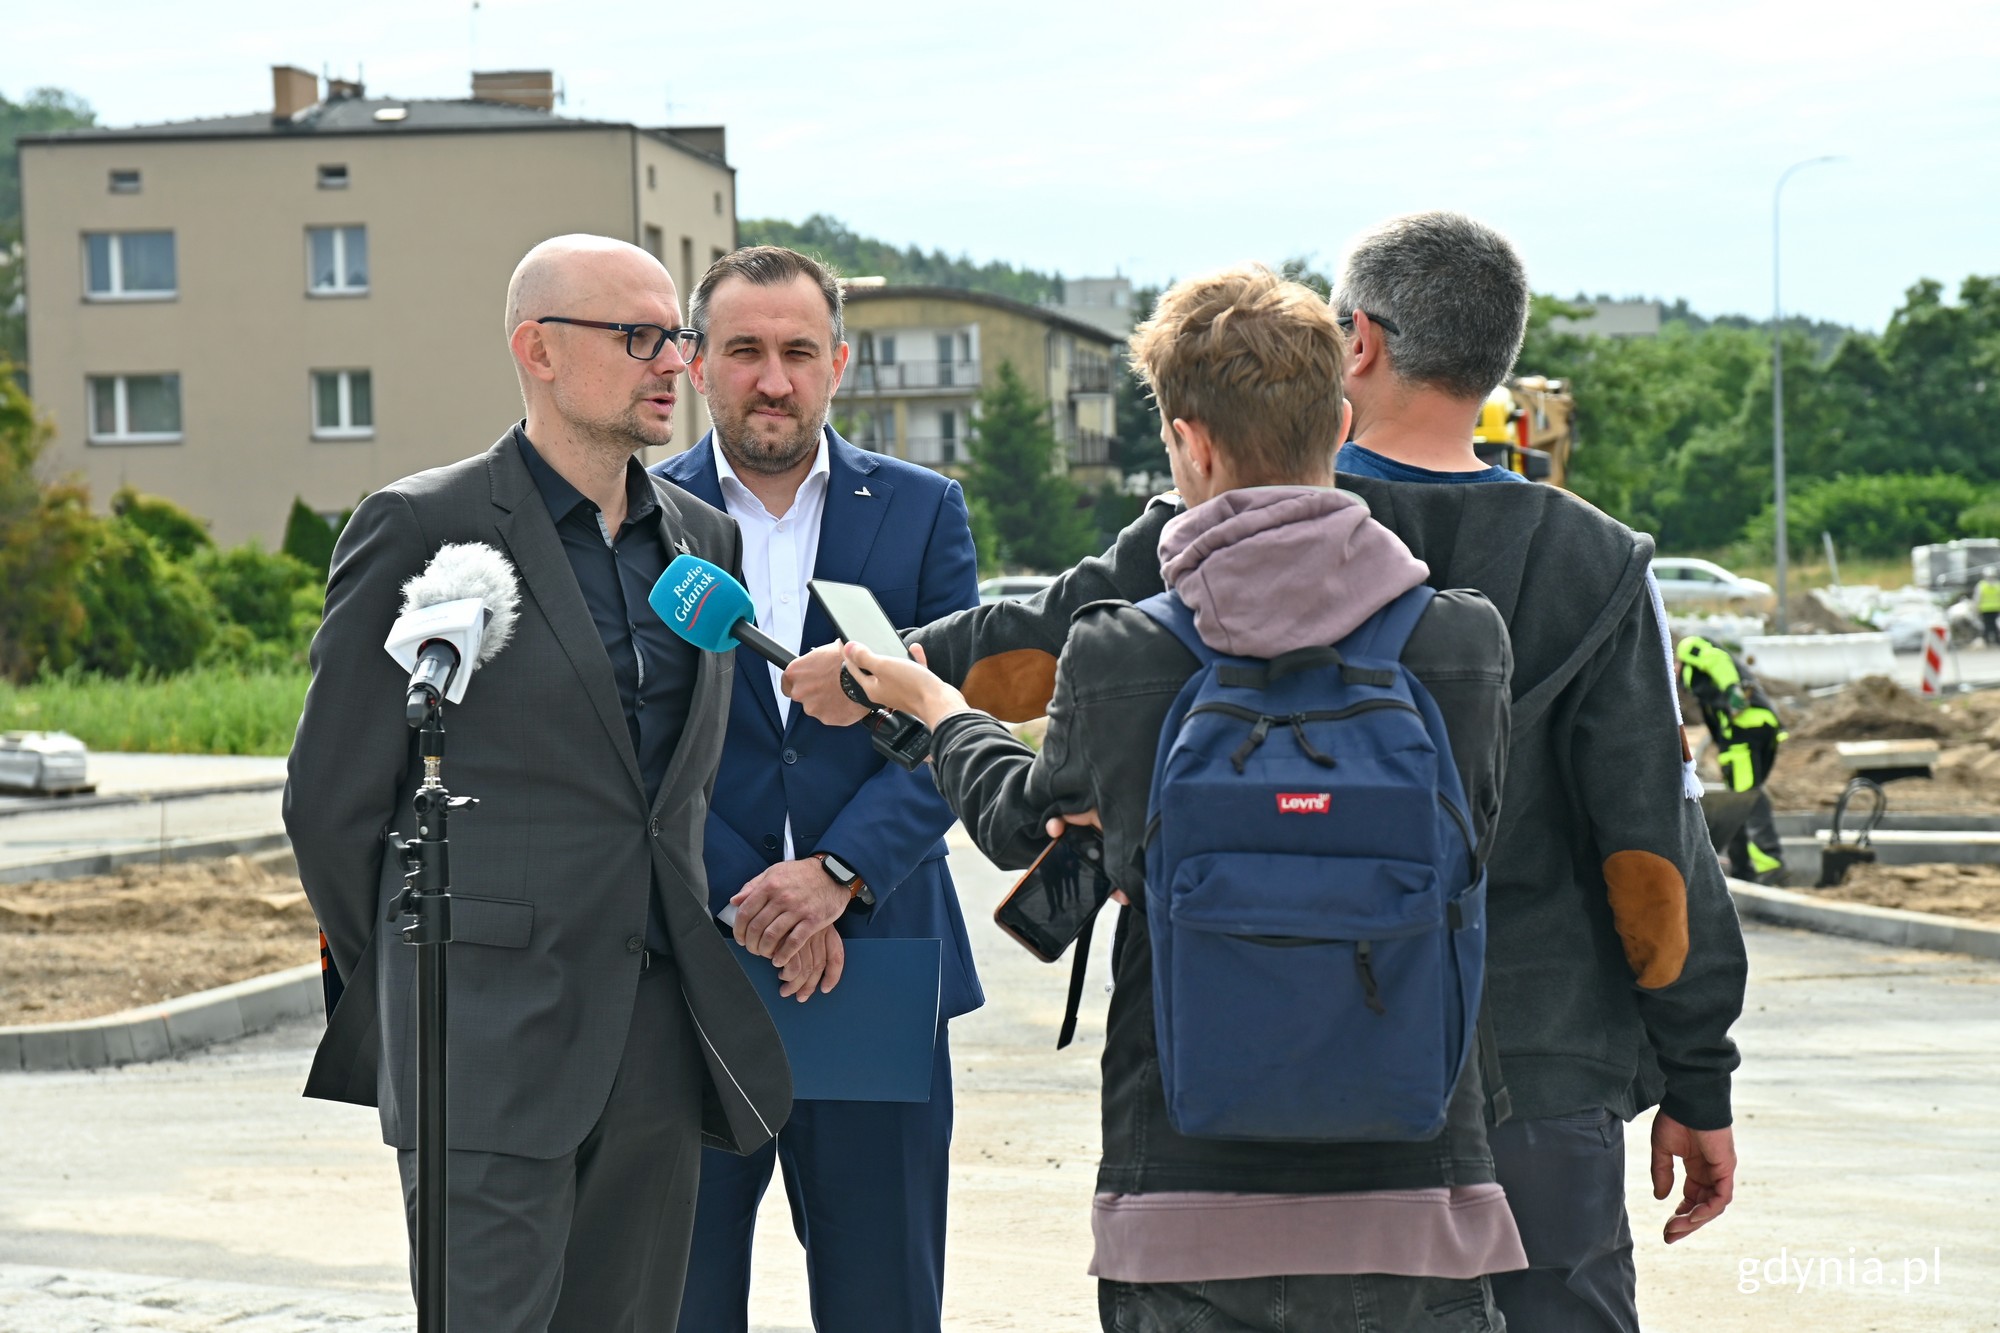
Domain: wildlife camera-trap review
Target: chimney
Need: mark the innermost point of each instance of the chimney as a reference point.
(532, 88)
(339, 88)
(292, 91)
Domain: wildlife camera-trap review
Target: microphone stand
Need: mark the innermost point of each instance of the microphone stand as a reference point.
(426, 898)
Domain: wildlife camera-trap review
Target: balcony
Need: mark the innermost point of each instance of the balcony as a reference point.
(1091, 448)
(1090, 377)
(935, 450)
(911, 377)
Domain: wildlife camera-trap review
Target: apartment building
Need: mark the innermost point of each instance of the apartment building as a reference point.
(921, 356)
(308, 301)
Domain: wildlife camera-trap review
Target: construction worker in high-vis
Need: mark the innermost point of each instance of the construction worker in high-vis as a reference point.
(1747, 733)
(1987, 598)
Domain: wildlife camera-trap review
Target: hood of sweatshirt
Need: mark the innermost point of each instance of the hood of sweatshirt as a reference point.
(1268, 569)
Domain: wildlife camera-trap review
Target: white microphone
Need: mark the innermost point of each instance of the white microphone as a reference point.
(461, 609)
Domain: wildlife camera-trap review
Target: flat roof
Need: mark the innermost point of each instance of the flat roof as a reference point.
(925, 292)
(345, 116)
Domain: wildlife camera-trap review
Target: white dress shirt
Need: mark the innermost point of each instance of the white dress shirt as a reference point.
(778, 555)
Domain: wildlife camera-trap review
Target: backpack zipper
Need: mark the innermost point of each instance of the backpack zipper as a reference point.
(1363, 952)
(1263, 722)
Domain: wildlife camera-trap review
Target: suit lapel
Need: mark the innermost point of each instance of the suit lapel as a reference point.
(699, 478)
(530, 537)
(856, 502)
(847, 531)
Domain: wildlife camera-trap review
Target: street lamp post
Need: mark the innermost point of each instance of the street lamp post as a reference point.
(1778, 380)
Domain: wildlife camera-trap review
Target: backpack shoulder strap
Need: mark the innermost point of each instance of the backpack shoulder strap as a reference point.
(1177, 618)
(1386, 633)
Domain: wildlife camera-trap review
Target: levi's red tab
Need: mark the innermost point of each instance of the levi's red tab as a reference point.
(1305, 802)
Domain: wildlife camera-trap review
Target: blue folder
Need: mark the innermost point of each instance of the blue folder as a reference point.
(870, 1038)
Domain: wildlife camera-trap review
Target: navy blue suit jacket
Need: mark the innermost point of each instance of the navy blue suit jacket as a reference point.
(908, 541)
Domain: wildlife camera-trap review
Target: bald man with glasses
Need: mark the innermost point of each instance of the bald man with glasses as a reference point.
(599, 1025)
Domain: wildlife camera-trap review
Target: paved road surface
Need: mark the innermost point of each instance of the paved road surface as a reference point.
(204, 1194)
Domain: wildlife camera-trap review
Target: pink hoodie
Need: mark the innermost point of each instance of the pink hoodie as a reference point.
(1267, 569)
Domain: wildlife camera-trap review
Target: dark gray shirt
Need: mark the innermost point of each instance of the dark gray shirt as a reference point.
(655, 668)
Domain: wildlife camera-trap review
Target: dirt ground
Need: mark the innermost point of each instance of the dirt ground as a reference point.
(1947, 890)
(1810, 776)
(82, 948)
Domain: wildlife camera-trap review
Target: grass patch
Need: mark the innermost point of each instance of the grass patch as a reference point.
(205, 711)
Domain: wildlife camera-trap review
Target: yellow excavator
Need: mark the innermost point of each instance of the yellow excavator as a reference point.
(1528, 426)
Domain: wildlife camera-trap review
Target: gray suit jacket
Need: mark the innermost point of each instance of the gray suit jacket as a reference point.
(550, 872)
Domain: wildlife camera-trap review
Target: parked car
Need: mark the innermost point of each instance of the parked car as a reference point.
(1013, 587)
(1683, 579)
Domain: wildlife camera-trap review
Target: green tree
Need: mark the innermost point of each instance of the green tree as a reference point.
(42, 110)
(1018, 476)
(1138, 420)
(855, 256)
(44, 540)
(310, 538)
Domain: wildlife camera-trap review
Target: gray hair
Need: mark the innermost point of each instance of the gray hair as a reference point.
(1454, 288)
(767, 266)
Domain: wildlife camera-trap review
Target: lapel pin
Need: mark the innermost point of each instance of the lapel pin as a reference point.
(682, 546)
(865, 491)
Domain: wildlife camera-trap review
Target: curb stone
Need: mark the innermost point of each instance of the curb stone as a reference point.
(157, 1031)
(1882, 925)
(103, 863)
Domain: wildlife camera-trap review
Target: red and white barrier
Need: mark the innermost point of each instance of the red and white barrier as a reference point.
(1935, 640)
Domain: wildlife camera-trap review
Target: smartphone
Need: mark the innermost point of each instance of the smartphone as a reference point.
(858, 617)
(1050, 905)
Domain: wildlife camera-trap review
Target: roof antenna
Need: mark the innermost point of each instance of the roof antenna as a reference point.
(472, 39)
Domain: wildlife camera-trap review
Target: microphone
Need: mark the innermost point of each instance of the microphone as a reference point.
(701, 603)
(460, 610)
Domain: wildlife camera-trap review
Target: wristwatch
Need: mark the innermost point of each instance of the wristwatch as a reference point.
(847, 877)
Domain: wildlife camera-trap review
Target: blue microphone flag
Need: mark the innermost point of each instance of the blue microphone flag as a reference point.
(699, 601)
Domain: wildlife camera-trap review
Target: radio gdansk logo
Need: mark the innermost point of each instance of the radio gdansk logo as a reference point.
(1304, 802)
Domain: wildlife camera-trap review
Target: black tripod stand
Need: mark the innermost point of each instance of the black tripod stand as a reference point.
(426, 899)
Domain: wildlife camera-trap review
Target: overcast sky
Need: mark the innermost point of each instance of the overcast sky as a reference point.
(1627, 148)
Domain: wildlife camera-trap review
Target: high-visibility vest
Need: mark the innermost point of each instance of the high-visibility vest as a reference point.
(1989, 594)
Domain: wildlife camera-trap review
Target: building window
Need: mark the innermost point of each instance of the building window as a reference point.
(343, 405)
(135, 409)
(333, 177)
(337, 259)
(887, 356)
(129, 265)
(718, 203)
(687, 265)
(124, 182)
(947, 437)
(655, 243)
(716, 253)
(652, 177)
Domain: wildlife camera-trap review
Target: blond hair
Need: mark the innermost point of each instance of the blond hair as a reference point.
(1258, 361)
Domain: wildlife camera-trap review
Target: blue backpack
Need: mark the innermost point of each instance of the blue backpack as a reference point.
(1316, 902)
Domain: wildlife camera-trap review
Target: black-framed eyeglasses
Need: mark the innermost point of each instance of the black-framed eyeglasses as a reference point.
(642, 341)
(1386, 325)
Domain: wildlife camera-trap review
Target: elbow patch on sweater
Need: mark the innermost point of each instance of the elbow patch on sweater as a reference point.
(1649, 906)
(1013, 686)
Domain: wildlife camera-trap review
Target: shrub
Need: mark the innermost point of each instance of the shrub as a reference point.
(1873, 515)
(259, 590)
(173, 529)
(143, 613)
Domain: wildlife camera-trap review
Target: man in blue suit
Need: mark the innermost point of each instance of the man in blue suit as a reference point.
(812, 837)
